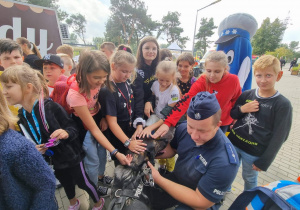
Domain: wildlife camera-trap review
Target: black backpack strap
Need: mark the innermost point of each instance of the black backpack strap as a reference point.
(117, 203)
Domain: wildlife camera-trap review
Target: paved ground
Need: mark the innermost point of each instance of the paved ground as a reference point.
(286, 165)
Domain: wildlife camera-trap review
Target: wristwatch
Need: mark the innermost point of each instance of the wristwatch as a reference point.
(126, 143)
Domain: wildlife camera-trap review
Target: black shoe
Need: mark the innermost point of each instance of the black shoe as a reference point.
(104, 191)
(106, 180)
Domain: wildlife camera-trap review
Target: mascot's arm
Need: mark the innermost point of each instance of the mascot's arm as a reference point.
(244, 71)
(183, 194)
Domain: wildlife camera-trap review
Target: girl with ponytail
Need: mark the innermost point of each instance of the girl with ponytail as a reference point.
(50, 128)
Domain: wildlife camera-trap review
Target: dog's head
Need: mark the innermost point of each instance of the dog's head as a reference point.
(154, 148)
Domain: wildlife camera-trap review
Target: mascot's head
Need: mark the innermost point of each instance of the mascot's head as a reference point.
(235, 32)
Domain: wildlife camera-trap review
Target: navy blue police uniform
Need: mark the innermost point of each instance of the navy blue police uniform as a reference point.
(210, 168)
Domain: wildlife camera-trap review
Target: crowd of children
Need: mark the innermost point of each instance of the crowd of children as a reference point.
(112, 99)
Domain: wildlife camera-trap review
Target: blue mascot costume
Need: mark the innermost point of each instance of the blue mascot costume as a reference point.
(235, 33)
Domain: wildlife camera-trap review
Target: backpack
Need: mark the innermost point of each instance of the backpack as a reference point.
(276, 195)
(61, 89)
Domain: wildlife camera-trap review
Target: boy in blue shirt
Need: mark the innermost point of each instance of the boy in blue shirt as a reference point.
(264, 119)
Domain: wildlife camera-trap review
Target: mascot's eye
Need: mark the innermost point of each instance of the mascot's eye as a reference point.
(230, 55)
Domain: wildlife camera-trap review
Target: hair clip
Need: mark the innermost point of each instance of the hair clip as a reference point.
(124, 48)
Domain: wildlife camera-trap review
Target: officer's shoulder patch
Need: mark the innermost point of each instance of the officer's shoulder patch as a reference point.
(233, 159)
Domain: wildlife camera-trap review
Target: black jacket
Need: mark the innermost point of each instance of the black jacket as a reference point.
(69, 152)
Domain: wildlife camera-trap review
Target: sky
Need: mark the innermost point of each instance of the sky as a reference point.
(97, 13)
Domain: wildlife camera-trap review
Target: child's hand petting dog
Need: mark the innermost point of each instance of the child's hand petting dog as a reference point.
(124, 160)
(59, 134)
(155, 174)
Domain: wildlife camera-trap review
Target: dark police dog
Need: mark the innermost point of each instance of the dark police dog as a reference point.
(127, 189)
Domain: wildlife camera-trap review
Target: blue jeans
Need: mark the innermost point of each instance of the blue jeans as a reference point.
(95, 159)
(249, 175)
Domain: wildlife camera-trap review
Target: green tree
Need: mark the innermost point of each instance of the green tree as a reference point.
(73, 38)
(98, 41)
(77, 22)
(281, 52)
(268, 36)
(170, 27)
(204, 33)
(129, 22)
(62, 15)
(293, 46)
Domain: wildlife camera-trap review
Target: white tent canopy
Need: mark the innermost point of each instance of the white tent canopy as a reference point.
(174, 46)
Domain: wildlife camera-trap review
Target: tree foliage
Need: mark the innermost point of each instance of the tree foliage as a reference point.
(204, 33)
(73, 38)
(294, 45)
(170, 27)
(77, 22)
(268, 36)
(98, 41)
(62, 15)
(129, 22)
(281, 52)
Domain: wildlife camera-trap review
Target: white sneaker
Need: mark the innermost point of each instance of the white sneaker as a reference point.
(76, 206)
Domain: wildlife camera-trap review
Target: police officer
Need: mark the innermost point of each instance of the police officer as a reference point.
(207, 162)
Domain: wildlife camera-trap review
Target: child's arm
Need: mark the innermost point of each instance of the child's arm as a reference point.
(281, 128)
(136, 146)
(88, 121)
(241, 107)
(148, 130)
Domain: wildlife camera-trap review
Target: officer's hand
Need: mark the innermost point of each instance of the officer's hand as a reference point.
(155, 173)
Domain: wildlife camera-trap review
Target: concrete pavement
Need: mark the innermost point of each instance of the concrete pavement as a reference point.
(286, 166)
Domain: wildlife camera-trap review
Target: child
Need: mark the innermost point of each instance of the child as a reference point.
(147, 60)
(264, 118)
(53, 69)
(108, 49)
(185, 64)
(42, 119)
(30, 51)
(10, 54)
(165, 55)
(166, 94)
(67, 49)
(93, 72)
(26, 180)
(215, 79)
(68, 63)
(118, 106)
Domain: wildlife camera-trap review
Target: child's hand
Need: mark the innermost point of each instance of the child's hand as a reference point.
(59, 134)
(148, 109)
(124, 160)
(255, 168)
(41, 148)
(146, 132)
(155, 173)
(103, 124)
(162, 130)
(137, 146)
(137, 132)
(252, 106)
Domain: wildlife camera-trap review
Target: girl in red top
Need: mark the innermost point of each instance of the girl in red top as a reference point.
(215, 79)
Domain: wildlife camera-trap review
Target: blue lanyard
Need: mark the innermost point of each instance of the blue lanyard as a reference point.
(39, 141)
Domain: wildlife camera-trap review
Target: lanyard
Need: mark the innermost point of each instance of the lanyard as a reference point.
(36, 123)
(128, 105)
